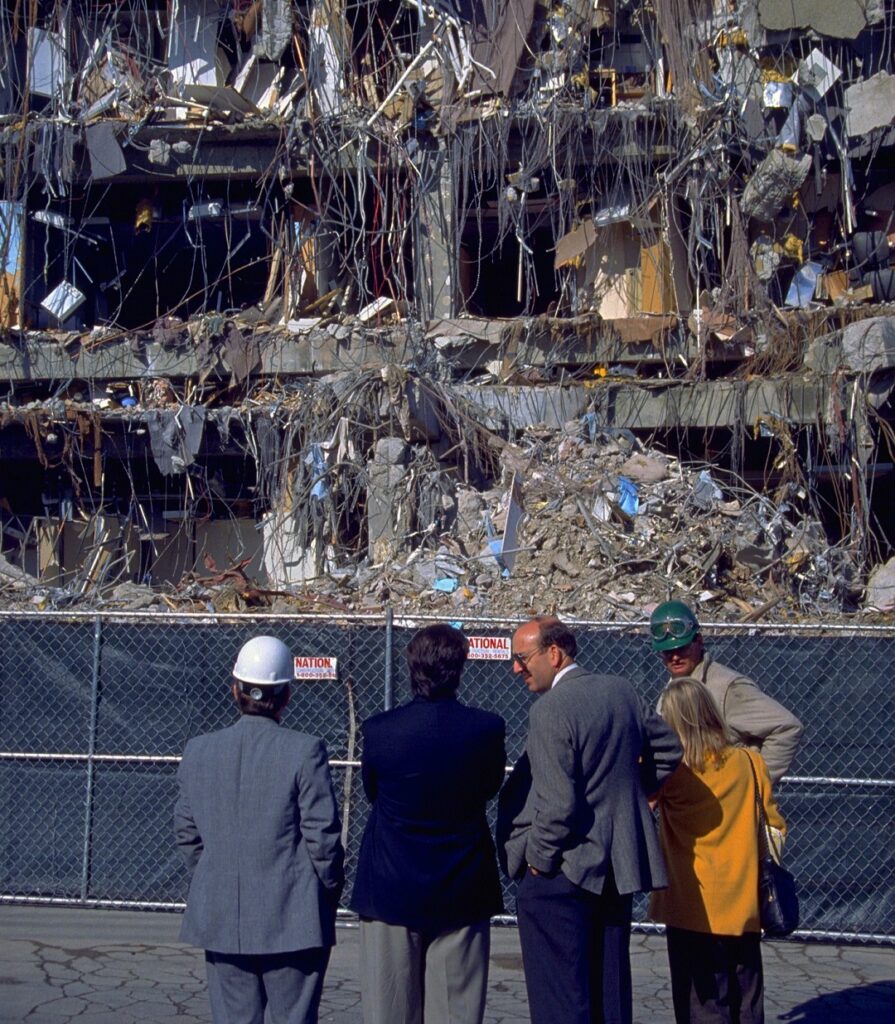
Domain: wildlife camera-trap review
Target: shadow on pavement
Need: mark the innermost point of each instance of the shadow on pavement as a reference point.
(861, 1004)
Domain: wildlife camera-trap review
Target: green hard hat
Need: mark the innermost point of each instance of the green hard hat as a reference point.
(672, 625)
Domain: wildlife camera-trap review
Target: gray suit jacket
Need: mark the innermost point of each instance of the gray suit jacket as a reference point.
(257, 824)
(751, 716)
(595, 751)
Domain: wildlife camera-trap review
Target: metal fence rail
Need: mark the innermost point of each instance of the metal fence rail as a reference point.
(96, 709)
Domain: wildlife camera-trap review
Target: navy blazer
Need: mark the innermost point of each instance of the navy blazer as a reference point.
(427, 860)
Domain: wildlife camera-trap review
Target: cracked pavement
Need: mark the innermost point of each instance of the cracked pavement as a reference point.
(71, 966)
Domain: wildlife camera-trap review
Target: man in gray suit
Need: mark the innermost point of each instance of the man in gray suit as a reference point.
(580, 836)
(257, 824)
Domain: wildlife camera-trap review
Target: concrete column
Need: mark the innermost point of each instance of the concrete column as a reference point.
(435, 267)
(386, 473)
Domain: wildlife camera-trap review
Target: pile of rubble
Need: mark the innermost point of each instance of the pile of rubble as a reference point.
(597, 527)
(586, 522)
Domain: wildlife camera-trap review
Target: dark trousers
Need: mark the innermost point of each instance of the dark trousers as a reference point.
(242, 986)
(575, 951)
(716, 978)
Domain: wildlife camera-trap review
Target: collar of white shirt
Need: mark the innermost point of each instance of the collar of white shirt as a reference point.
(562, 672)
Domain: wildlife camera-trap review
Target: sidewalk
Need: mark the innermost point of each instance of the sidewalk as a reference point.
(67, 966)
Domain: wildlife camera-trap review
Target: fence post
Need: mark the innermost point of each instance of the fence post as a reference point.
(388, 689)
(91, 752)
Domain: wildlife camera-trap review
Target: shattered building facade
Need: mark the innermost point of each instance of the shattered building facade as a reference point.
(358, 302)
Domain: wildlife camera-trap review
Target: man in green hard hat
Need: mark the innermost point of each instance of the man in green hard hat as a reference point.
(752, 717)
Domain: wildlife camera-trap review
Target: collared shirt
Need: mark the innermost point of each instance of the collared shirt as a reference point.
(562, 672)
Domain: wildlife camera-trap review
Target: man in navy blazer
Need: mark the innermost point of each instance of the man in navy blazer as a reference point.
(427, 882)
(257, 824)
(578, 831)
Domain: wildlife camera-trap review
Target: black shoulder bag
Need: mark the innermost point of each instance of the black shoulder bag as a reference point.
(778, 902)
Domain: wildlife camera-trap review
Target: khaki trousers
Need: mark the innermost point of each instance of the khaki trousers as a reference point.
(411, 977)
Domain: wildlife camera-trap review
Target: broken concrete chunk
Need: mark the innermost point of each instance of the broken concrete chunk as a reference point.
(134, 595)
(842, 19)
(469, 512)
(159, 152)
(870, 104)
(824, 354)
(874, 11)
(391, 451)
(816, 127)
(560, 563)
(12, 576)
(644, 469)
(753, 556)
(765, 258)
(880, 593)
(775, 179)
(869, 345)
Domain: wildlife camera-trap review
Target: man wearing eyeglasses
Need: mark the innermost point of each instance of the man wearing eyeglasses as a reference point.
(576, 829)
(751, 716)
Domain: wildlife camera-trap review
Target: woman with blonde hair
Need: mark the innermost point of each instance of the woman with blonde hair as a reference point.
(709, 832)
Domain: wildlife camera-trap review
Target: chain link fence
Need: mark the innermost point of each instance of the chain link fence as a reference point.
(96, 710)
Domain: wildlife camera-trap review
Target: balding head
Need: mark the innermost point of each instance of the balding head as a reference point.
(542, 648)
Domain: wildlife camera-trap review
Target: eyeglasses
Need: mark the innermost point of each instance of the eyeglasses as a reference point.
(523, 659)
(679, 629)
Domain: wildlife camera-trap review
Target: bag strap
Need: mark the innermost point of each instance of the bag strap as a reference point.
(764, 845)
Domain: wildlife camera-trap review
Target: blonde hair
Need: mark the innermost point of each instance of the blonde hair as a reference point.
(688, 707)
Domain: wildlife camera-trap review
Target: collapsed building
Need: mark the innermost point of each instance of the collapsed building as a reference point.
(470, 304)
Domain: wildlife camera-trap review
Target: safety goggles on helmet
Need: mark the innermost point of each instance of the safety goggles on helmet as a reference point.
(676, 629)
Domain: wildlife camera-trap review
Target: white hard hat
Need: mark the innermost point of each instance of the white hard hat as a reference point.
(264, 661)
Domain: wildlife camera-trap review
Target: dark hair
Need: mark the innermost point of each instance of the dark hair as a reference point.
(269, 706)
(552, 631)
(436, 656)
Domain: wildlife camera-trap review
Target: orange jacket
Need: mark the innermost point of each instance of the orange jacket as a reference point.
(709, 828)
